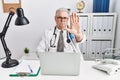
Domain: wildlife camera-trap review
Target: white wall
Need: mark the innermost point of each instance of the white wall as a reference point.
(41, 16)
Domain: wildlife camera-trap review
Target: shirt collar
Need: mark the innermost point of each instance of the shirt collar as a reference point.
(58, 30)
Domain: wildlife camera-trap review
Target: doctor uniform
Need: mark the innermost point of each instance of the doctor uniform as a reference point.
(49, 42)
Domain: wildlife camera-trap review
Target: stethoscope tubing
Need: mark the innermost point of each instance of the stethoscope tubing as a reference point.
(52, 43)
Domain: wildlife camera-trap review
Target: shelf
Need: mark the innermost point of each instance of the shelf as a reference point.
(100, 31)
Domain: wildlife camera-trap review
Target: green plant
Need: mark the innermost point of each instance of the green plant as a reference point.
(26, 50)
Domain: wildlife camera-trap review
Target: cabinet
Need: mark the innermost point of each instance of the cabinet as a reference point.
(100, 32)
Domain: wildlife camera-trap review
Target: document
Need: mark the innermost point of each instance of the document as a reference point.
(27, 68)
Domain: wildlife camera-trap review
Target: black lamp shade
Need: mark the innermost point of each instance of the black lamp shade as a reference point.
(21, 19)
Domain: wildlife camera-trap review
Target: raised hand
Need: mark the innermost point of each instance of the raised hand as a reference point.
(75, 27)
(74, 24)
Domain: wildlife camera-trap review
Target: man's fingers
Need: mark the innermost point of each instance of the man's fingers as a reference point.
(74, 18)
(78, 20)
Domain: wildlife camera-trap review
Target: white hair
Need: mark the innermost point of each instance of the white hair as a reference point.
(62, 9)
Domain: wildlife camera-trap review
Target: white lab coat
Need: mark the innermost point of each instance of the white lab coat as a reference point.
(44, 44)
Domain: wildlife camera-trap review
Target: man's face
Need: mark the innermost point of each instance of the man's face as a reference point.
(62, 20)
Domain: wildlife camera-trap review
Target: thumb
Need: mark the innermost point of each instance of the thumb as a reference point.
(69, 30)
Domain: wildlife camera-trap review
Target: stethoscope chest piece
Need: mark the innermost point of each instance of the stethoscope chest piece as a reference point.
(68, 40)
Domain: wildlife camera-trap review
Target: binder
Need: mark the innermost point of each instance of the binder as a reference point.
(100, 26)
(85, 25)
(98, 49)
(83, 47)
(94, 6)
(105, 26)
(106, 45)
(26, 68)
(92, 49)
(95, 26)
(110, 25)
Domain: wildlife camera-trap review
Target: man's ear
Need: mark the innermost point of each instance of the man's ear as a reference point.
(55, 18)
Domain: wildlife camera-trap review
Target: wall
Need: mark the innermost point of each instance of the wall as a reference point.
(41, 16)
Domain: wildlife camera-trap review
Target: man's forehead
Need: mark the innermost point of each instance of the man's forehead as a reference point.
(62, 13)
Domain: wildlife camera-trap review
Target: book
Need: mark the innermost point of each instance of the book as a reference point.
(26, 68)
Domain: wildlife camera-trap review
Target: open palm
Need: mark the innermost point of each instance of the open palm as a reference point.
(74, 24)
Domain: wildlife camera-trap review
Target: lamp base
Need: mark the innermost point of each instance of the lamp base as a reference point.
(10, 63)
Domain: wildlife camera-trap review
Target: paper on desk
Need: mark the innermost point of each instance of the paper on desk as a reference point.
(23, 67)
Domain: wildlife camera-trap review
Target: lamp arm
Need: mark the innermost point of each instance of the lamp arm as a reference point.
(7, 24)
(2, 36)
(7, 51)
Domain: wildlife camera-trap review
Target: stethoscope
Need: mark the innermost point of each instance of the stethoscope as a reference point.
(53, 39)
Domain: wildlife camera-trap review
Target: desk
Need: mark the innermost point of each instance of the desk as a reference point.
(86, 73)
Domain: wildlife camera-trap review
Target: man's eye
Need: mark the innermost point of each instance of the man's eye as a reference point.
(62, 17)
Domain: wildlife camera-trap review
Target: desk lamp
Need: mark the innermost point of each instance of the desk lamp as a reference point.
(20, 20)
